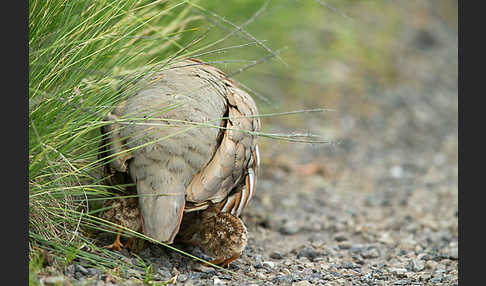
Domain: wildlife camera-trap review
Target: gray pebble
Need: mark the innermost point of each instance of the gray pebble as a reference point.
(258, 265)
(206, 269)
(80, 268)
(269, 264)
(436, 279)
(344, 245)
(78, 275)
(224, 276)
(431, 264)
(370, 253)
(69, 270)
(218, 281)
(194, 276)
(289, 227)
(416, 265)
(54, 280)
(402, 282)
(182, 277)
(399, 272)
(164, 273)
(340, 237)
(276, 255)
(308, 252)
(302, 283)
(92, 271)
(258, 258)
(454, 253)
(282, 280)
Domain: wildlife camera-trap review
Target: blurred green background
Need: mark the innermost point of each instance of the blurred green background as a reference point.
(336, 52)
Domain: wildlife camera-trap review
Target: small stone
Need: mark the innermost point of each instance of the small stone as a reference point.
(224, 276)
(436, 279)
(454, 253)
(218, 281)
(396, 171)
(301, 283)
(258, 258)
(347, 265)
(441, 268)
(421, 256)
(418, 265)
(92, 271)
(289, 227)
(356, 248)
(399, 272)
(80, 268)
(344, 245)
(174, 271)
(308, 252)
(285, 271)
(258, 265)
(431, 264)
(260, 275)
(386, 239)
(69, 270)
(342, 281)
(182, 277)
(54, 280)
(340, 237)
(203, 268)
(276, 255)
(370, 253)
(402, 282)
(357, 259)
(78, 275)
(309, 265)
(269, 264)
(282, 279)
(164, 273)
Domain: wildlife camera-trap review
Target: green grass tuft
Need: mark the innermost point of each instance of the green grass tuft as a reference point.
(80, 53)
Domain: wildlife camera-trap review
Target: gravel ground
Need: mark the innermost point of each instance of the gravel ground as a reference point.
(379, 208)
